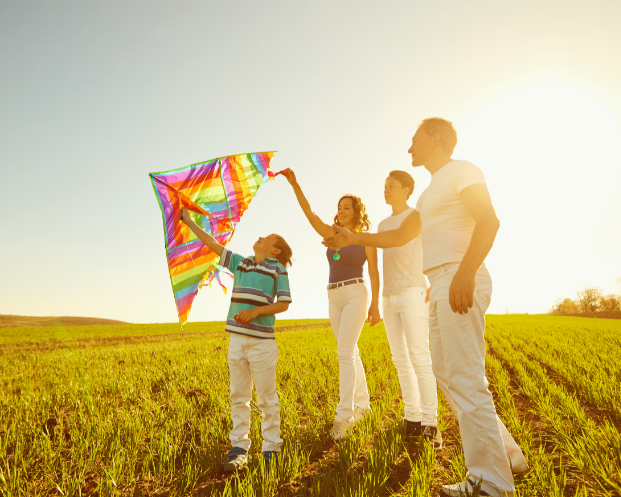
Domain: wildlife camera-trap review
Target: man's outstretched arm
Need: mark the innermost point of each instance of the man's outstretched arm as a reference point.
(477, 200)
(409, 229)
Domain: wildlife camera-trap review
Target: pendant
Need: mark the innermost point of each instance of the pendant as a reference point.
(337, 256)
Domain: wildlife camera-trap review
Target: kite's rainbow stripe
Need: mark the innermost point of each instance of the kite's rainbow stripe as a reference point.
(217, 193)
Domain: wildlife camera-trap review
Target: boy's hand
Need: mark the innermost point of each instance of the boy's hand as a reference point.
(184, 216)
(290, 175)
(247, 315)
(374, 315)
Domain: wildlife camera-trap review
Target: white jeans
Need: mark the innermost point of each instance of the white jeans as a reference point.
(348, 311)
(406, 318)
(458, 357)
(254, 358)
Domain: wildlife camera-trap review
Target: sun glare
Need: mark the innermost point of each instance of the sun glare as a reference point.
(549, 153)
(546, 122)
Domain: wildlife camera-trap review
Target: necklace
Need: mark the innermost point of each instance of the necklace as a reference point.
(337, 256)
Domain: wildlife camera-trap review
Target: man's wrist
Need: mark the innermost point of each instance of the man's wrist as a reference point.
(468, 270)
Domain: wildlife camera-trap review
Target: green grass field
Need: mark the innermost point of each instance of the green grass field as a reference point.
(143, 410)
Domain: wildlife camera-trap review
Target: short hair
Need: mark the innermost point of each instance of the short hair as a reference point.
(405, 179)
(444, 127)
(285, 251)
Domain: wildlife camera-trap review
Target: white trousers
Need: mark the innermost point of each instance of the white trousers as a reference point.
(348, 312)
(406, 318)
(254, 358)
(458, 357)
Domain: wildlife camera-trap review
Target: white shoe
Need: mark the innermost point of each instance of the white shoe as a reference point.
(360, 413)
(466, 489)
(340, 427)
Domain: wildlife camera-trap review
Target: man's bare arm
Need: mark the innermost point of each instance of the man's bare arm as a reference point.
(409, 229)
(477, 201)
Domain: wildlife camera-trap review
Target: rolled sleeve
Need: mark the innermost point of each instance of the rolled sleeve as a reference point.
(283, 292)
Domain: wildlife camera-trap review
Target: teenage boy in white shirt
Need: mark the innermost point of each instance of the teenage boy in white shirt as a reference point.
(458, 224)
(406, 316)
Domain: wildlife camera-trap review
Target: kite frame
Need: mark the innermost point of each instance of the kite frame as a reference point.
(219, 159)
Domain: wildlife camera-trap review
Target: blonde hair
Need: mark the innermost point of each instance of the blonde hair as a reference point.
(285, 251)
(443, 127)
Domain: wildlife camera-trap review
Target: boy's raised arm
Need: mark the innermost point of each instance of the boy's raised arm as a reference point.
(202, 235)
(409, 229)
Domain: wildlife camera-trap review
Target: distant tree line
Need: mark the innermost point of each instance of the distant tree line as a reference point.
(589, 299)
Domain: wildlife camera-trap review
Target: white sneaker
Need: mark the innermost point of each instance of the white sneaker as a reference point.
(340, 427)
(360, 413)
(466, 489)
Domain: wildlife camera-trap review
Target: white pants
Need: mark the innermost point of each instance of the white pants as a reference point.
(254, 358)
(406, 318)
(458, 357)
(348, 312)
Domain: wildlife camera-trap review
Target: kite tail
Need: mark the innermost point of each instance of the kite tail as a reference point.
(214, 274)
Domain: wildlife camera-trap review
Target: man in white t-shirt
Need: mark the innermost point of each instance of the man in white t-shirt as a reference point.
(458, 224)
(406, 316)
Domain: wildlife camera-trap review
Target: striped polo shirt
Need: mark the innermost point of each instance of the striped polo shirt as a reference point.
(255, 285)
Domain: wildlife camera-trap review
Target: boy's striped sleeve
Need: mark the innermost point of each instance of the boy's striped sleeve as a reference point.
(283, 293)
(230, 260)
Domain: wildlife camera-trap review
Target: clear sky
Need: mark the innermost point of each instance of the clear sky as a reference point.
(95, 95)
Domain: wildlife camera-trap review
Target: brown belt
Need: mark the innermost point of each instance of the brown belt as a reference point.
(346, 282)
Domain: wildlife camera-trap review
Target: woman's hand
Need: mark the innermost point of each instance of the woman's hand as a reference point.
(374, 314)
(247, 315)
(290, 175)
(184, 216)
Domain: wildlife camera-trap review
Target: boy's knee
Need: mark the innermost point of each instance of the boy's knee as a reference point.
(269, 405)
(346, 351)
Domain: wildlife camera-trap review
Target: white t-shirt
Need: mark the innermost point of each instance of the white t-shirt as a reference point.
(446, 224)
(403, 266)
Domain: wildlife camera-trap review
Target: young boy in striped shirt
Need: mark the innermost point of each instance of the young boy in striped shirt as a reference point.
(260, 290)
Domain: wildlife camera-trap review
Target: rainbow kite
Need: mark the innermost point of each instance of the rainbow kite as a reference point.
(216, 193)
